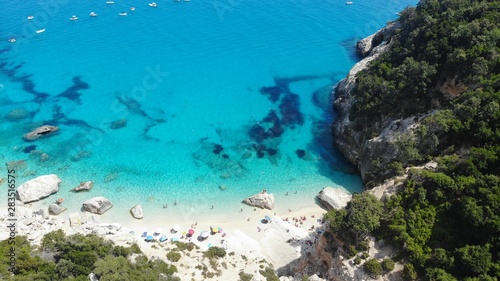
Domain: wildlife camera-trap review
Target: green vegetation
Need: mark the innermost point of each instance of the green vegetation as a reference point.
(388, 265)
(373, 267)
(443, 69)
(360, 217)
(173, 256)
(182, 246)
(215, 252)
(245, 276)
(74, 257)
(269, 273)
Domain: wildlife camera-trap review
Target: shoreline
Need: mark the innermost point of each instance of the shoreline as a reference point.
(244, 233)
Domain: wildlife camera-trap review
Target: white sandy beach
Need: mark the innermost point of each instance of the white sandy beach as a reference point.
(276, 242)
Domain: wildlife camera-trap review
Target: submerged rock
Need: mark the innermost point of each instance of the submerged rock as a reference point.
(38, 188)
(40, 131)
(97, 205)
(137, 212)
(262, 200)
(334, 197)
(84, 186)
(17, 114)
(118, 124)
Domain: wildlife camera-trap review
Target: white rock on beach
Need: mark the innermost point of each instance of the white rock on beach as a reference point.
(262, 200)
(334, 197)
(38, 188)
(55, 209)
(97, 205)
(137, 212)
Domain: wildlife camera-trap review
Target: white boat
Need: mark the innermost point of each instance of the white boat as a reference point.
(153, 5)
(12, 40)
(122, 14)
(348, 3)
(92, 14)
(40, 31)
(73, 18)
(132, 9)
(110, 2)
(30, 17)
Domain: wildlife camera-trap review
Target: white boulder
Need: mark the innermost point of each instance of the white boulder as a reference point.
(262, 200)
(137, 212)
(38, 188)
(97, 205)
(55, 209)
(334, 197)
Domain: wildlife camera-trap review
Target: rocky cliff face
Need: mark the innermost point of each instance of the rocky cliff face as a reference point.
(370, 153)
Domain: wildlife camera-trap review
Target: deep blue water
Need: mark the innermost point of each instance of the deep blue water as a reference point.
(207, 93)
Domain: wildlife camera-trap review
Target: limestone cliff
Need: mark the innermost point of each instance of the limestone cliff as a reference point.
(371, 151)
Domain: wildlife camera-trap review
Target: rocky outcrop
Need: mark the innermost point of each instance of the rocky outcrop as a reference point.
(84, 186)
(334, 197)
(55, 209)
(97, 205)
(369, 152)
(137, 212)
(262, 200)
(38, 188)
(366, 45)
(44, 130)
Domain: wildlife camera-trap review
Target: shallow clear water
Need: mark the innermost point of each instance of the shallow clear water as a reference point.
(188, 78)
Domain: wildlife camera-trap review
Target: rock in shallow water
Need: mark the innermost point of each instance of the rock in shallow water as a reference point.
(84, 186)
(40, 131)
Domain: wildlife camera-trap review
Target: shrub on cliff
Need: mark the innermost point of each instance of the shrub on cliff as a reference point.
(373, 268)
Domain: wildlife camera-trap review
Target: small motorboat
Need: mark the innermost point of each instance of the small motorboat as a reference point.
(12, 40)
(40, 31)
(110, 2)
(132, 9)
(73, 18)
(348, 3)
(92, 14)
(153, 5)
(122, 14)
(30, 17)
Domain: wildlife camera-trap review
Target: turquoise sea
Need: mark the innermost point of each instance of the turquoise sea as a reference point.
(213, 100)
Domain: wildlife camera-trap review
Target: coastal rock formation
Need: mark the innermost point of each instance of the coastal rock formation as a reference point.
(84, 186)
(55, 209)
(366, 45)
(38, 188)
(97, 205)
(358, 146)
(262, 200)
(334, 197)
(137, 212)
(40, 131)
